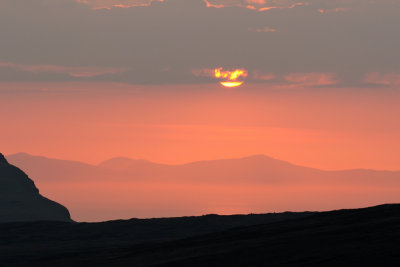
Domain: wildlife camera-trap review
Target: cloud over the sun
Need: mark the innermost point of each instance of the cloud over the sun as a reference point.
(162, 42)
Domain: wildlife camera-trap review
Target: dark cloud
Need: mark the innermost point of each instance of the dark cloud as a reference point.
(165, 41)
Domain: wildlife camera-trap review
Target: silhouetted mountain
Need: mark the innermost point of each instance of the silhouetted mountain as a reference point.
(361, 237)
(20, 199)
(126, 188)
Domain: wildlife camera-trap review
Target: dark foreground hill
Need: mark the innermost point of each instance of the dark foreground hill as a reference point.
(362, 237)
(20, 199)
(36, 242)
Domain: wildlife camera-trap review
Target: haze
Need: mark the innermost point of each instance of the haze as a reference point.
(93, 80)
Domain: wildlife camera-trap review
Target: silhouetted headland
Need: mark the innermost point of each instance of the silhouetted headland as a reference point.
(20, 199)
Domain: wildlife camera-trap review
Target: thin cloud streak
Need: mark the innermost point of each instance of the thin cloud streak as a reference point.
(77, 72)
(258, 5)
(387, 79)
(312, 79)
(264, 29)
(109, 4)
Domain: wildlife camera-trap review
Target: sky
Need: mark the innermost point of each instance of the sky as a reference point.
(89, 80)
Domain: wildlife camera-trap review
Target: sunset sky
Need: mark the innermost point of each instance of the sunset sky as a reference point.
(89, 80)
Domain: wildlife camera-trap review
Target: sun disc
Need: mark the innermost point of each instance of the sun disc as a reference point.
(231, 84)
(230, 78)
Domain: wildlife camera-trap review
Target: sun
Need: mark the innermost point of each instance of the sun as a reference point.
(231, 84)
(230, 78)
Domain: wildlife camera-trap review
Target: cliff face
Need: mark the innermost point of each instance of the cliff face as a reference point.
(20, 199)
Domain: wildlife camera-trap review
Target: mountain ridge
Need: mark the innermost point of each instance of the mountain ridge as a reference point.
(21, 155)
(135, 188)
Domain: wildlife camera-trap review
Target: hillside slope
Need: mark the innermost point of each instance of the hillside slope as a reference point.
(363, 237)
(360, 237)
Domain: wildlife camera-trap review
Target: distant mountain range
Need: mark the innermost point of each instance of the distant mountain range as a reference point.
(257, 169)
(20, 199)
(125, 188)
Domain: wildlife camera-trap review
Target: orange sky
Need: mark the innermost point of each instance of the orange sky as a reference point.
(328, 128)
(90, 80)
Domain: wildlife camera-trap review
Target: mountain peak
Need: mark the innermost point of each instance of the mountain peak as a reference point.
(3, 159)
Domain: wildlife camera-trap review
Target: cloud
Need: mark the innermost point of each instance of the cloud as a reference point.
(260, 5)
(263, 29)
(165, 41)
(260, 76)
(333, 10)
(108, 4)
(387, 79)
(206, 72)
(312, 79)
(77, 72)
